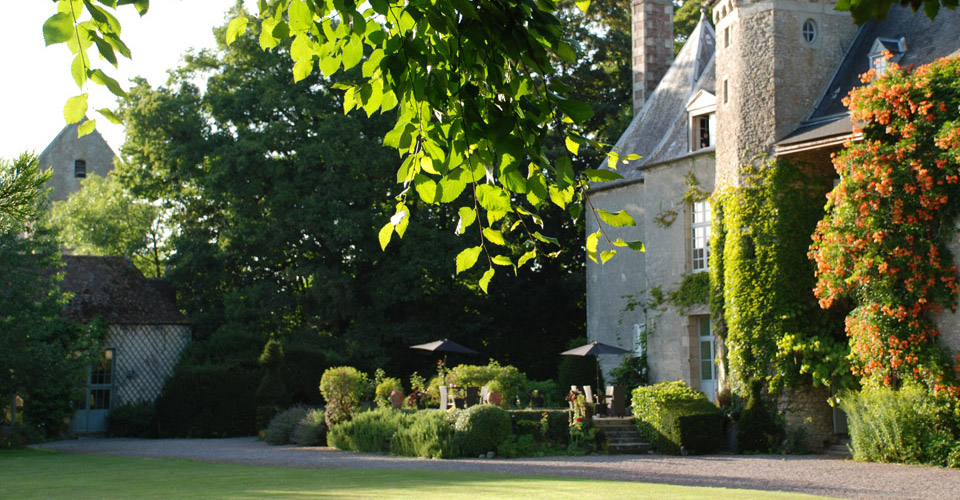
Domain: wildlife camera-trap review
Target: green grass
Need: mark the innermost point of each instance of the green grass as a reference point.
(26, 474)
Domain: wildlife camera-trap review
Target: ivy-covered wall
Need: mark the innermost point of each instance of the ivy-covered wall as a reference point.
(762, 281)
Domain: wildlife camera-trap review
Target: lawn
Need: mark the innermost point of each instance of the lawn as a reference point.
(28, 474)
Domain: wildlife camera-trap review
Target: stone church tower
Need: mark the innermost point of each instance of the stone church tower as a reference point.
(774, 58)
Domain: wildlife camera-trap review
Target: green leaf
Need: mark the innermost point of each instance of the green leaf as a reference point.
(98, 76)
(385, 233)
(78, 69)
(110, 115)
(566, 52)
(401, 219)
(352, 52)
(426, 188)
(572, 145)
(467, 258)
(86, 127)
(502, 260)
(546, 239)
(58, 28)
(450, 189)
(267, 40)
(494, 236)
(302, 69)
(601, 175)
(301, 18)
(329, 64)
(467, 217)
(75, 108)
(485, 279)
(578, 111)
(493, 198)
(583, 5)
(236, 28)
(592, 240)
(612, 158)
(526, 258)
(633, 245)
(561, 197)
(141, 5)
(619, 219)
(607, 255)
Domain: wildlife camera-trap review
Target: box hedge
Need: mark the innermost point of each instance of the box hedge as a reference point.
(671, 415)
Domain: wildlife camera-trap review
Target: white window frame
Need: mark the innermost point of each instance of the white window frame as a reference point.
(702, 107)
(700, 236)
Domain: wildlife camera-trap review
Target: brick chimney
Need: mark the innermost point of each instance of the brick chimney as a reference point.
(652, 35)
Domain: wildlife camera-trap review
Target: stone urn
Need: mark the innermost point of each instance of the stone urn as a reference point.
(396, 399)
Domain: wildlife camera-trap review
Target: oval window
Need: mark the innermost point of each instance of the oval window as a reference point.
(809, 31)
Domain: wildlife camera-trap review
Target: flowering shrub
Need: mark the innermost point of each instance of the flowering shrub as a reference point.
(883, 241)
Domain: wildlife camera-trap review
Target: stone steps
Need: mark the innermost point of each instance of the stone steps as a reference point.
(622, 436)
(839, 450)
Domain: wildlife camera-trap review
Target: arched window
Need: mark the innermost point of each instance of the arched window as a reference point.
(809, 31)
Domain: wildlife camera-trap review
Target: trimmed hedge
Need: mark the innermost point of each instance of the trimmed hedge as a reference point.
(481, 429)
(670, 415)
(312, 430)
(209, 401)
(136, 420)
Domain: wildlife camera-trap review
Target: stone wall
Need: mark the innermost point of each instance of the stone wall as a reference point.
(806, 407)
(65, 150)
(768, 77)
(631, 275)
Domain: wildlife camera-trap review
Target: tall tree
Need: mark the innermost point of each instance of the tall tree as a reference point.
(42, 355)
(21, 188)
(102, 218)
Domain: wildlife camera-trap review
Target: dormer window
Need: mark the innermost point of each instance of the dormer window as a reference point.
(80, 169)
(886, 50)
(703, 120)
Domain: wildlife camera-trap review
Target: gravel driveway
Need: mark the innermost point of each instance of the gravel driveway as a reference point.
(814, 474)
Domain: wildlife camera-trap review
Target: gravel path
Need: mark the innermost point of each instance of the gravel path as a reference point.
(815, 474)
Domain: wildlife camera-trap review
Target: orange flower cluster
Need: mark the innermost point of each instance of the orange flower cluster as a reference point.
(883, 240)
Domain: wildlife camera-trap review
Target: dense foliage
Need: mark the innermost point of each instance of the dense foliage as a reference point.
(884, 242)
(761, 280)
(480, 429)
(21, 189)
(42, 354)
(103, 218)
(671, 415)
(136, 420)
(908, 425)
(282, 426)
(342, 388)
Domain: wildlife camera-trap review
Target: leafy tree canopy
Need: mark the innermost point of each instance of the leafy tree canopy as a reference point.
(472, 88)
(102, 218)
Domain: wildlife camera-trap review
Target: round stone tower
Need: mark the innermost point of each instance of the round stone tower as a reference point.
(774, 58)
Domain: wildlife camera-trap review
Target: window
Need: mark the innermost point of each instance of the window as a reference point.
(708, 368)
(80, 169)
(701, 109)
(703, 130)
(700, 236)
(726, 37)
(885, 50)
(809, 31)
(102, 372)
(726, 93)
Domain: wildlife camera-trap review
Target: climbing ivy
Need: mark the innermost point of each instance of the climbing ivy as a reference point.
(761, 280)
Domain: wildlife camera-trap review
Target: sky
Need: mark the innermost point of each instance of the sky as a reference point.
(36, 79)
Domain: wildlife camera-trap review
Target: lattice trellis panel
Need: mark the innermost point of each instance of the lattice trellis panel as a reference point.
(145, 357)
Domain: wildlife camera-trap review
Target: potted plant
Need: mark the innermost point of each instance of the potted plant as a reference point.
(495, 393)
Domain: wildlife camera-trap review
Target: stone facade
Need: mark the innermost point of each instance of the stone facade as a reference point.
(62, 155)
(630, 276)
(652, 38)
(805, 408)
(769, 77)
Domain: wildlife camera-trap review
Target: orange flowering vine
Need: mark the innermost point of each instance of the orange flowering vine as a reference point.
(883, 242)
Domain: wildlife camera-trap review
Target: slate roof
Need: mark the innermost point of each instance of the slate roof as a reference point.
(112, 289)
(926, 41)
(659, 132)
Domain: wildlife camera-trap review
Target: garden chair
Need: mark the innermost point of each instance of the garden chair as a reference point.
(445, 400)
(616, 397)
(473, 396)
(593, 405)
(484, 392)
